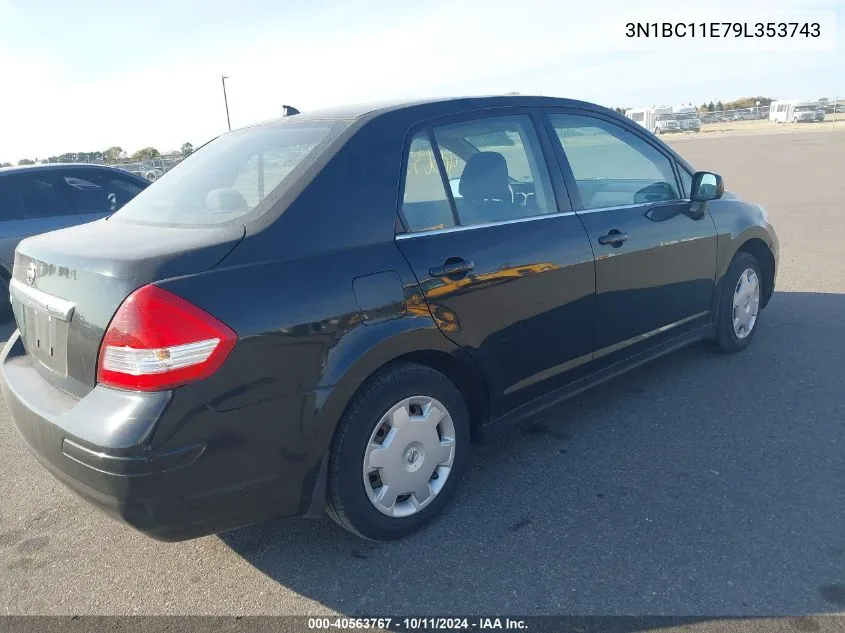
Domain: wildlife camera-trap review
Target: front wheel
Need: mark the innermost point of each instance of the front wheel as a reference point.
(398, 453)
(739, 308)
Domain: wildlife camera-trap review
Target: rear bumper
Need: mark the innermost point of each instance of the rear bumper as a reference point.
(194, 479)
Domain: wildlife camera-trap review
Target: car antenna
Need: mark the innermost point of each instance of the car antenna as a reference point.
(289, 110)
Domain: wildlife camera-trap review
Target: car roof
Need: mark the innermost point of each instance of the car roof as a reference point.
(51, 166)
(460, 104)
(19, 169)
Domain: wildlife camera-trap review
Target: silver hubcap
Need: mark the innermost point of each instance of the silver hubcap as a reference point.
(746, 303)
(409, 456)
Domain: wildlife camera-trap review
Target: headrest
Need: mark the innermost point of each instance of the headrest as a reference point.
(485, 177)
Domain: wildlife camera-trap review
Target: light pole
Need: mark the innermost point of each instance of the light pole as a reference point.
(226, 101)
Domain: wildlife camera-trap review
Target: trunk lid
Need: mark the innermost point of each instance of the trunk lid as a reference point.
(67, 285)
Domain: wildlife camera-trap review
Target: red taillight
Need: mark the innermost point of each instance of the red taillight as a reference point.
(159, 341)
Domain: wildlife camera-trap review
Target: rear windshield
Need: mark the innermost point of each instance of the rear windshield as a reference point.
(228, 178)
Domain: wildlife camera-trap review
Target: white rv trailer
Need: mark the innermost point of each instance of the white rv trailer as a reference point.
(793, 111)
(657, 119)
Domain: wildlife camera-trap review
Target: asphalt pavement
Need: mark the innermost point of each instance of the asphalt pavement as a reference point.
(700, 484)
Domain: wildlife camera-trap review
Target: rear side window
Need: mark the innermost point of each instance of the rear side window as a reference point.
(494, 169)
(94, 192)
(425, 204)
(612, 166)
(25, 197)
(233, 175)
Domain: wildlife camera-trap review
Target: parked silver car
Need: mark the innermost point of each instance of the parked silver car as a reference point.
(40, 198)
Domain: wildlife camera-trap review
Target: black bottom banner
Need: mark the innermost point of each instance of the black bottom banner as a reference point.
(410, 624)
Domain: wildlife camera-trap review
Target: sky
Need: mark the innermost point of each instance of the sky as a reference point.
(89, 74)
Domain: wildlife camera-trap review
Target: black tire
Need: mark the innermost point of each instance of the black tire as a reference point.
(347, 500)
(726, 338)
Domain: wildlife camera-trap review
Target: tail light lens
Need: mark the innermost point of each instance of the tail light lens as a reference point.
(159, 341)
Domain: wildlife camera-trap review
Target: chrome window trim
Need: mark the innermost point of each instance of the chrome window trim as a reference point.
(483, 225)
(631, 206)
(545, 216)
(614, 208)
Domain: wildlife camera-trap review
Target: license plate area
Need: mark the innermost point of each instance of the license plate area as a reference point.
(43, 321)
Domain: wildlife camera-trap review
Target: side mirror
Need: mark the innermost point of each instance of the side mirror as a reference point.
(706, 186)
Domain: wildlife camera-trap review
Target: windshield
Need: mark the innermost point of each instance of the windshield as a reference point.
(806, 108)
(230, 176)
(665, 117)
(686, 116)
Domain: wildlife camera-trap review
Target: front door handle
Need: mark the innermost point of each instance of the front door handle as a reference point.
(614, 238)
(452, 268)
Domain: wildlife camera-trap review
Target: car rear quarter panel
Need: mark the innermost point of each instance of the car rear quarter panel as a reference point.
(303, 351)
(289, 291)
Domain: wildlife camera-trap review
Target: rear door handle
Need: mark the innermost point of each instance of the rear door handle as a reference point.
(613, 238)
(451, 268)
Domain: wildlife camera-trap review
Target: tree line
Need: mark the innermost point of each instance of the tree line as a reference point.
(114, 154)
(744, 103)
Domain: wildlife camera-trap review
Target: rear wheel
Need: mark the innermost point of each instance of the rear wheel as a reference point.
(398, 453)
(739, 309)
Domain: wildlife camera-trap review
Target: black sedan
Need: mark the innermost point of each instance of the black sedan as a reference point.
(321, 312)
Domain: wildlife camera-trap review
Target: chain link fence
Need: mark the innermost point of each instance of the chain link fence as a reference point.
(151, 169)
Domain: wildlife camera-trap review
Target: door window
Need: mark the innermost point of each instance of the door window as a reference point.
(495, 171)
(26, 197)
(500, 173)
(99, 193)
(612, 166)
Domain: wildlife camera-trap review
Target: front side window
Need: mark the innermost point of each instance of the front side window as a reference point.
(612, 166)
(26, 197)
(232, 175)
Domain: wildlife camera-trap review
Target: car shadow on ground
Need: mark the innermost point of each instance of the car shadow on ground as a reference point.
(701, 483)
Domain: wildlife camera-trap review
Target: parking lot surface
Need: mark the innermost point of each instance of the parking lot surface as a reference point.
(700, 484)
